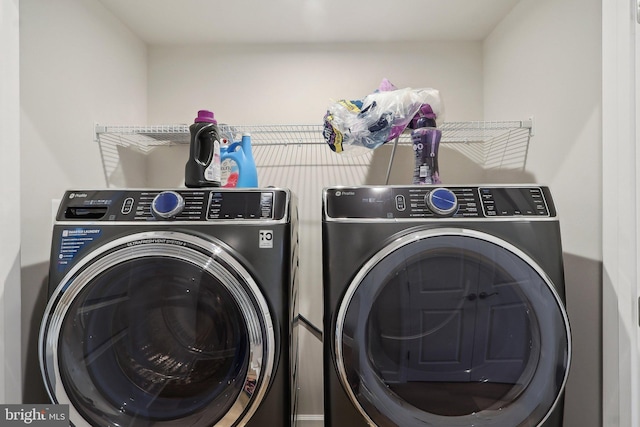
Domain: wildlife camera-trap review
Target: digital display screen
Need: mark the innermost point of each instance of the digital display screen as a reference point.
(241, 205)
(513, 201)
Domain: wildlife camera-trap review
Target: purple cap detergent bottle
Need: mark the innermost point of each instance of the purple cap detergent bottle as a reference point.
(203, 167)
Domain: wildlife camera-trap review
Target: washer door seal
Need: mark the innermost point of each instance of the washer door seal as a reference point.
(452, 327)
(159, 328)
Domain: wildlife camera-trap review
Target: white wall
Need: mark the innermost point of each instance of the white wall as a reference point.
(10, 379)
(544, 60)
(294, 84)
(79, 65)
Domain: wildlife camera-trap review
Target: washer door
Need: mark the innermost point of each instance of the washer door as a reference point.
(157, 329)
(452, 327)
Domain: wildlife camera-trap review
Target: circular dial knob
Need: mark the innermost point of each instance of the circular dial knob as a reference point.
(167, 204)
(442, 202)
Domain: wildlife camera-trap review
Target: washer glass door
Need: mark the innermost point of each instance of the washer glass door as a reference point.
(452, 327)
(157, 329)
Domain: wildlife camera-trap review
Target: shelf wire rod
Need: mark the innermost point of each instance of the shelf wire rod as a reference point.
(506, 146)
(105, 167)
(393, 154)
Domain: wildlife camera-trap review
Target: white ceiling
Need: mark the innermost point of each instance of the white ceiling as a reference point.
(171, 22)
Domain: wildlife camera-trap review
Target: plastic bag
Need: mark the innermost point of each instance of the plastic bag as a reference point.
(377, 118)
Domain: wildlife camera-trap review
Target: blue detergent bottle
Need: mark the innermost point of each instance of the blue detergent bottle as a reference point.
(238, 165)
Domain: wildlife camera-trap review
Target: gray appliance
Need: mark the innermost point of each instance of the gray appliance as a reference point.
(443, 306)
(173, 308)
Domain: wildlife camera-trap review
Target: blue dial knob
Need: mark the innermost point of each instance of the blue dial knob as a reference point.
(167, 204)
(442, 202)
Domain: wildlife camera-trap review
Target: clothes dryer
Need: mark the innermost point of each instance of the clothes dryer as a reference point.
(173, 308)
(443, 307)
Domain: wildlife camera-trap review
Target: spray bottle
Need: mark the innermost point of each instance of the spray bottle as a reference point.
(426, 140)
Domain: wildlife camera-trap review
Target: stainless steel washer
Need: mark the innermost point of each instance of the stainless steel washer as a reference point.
(173, 308)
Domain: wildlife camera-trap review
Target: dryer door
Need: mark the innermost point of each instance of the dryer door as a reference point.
(158, 329)
(452, 327)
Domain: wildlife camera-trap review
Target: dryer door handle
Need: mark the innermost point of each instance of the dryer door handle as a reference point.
(484, 295)
(471, 297)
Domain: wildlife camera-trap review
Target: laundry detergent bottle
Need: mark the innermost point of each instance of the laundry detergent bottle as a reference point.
(238, 165)
(426, 140)
(203, 166)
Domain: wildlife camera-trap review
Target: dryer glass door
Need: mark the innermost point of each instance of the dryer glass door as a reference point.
(452, 327)
(157, 330)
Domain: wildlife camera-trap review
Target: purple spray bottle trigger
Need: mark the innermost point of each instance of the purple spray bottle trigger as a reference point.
(425, 117)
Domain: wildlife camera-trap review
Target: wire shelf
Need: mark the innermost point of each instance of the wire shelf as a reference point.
(143, 137)
(490, 144)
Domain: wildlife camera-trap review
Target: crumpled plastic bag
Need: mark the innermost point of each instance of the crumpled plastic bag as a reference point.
(379, 117)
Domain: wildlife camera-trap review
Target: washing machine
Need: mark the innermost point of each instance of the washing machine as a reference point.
(173, 308)
(443, 306)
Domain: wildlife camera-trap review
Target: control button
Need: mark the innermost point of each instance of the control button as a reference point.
(400, 203)
(442, 202)
(127, 206)
(167, 204)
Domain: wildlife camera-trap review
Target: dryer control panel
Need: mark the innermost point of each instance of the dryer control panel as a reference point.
(422, 201)
(174, 205)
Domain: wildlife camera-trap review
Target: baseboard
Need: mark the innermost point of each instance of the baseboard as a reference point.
(309, 420)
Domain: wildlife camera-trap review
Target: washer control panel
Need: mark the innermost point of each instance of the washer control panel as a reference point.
(421, 201)
(173, 205)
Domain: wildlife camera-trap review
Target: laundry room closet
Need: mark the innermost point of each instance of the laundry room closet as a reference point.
(522, 104)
